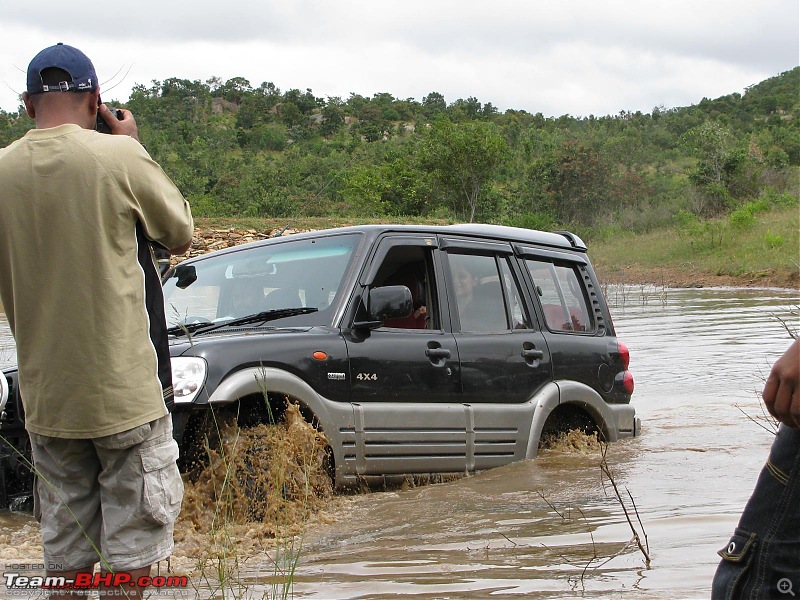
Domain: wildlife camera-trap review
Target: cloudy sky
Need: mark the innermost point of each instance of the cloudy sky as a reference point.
(557, 57)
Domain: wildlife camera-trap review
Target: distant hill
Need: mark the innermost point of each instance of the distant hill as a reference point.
(239, 150)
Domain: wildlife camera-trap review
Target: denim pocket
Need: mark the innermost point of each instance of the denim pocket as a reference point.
(736, 559)
(163, 488)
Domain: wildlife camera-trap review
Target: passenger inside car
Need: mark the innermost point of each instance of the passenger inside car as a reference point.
(480, 302)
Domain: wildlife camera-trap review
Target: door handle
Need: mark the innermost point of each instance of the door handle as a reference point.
(531, 355)
(437, 353)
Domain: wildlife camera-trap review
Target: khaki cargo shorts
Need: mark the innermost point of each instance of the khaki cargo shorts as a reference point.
(112, 500)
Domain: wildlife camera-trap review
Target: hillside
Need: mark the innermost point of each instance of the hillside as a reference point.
(236, 150)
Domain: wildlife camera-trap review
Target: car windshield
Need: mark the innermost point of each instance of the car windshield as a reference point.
(292, 274)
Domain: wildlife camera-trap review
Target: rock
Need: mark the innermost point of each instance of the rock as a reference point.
(210, 239)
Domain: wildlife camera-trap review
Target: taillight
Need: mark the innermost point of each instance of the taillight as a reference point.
(627, 382)
(624, 355)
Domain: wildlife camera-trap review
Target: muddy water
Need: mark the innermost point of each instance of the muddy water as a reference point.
(551, 527)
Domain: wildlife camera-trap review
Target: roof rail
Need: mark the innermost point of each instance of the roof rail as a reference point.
(573, 239)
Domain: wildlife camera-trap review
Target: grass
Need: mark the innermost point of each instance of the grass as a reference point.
(766, 250)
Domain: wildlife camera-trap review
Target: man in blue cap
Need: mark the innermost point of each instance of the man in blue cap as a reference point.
(81, 290)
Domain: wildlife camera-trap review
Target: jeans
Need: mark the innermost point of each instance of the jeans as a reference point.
(762, 559)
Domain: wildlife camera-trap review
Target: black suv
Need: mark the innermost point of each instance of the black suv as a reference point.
(415, 349)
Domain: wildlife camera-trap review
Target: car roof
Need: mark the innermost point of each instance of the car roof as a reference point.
(563, 240)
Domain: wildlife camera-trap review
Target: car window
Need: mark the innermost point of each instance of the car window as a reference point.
(292, 274)
(519, 315)
(412, 266)
(561, 296)
(478, 293)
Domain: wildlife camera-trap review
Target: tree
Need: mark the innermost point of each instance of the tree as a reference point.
(434, 104)
(713, 145)
(575, 181)
(332, 116)
(719, 163)
(14, 125)
(234, 90)
(463, 157)
(465, 109)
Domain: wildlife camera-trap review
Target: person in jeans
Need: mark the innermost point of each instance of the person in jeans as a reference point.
(79, 213)
(762, 559)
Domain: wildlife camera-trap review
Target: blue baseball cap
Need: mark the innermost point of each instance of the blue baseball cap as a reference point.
(66, 58)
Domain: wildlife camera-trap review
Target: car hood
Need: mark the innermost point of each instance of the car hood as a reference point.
(182, 345)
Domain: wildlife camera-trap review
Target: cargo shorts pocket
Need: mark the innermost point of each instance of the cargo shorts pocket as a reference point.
(37, 503)
(162, 487)
(736, 559)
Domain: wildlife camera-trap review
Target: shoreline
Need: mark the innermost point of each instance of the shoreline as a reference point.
(670, 277)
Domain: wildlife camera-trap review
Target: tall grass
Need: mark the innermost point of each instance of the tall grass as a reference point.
(751, 244)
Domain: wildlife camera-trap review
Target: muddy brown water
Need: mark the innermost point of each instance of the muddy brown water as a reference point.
(551, 527)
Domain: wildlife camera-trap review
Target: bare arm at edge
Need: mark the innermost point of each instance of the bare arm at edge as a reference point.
(782, 391)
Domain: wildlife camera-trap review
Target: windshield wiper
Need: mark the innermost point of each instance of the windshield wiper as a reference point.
(261, 317)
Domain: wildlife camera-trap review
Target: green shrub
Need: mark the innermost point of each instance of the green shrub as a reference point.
(688, 223)
(701, 234)
(780, 200)
(759, 206)
(773, 240)
(742, 218)
(540, 221)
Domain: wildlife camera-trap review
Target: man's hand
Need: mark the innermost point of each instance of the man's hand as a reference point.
(124, 126)
(782, 391)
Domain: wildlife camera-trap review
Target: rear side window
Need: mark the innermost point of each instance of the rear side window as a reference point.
(561, 296)
(487, 294)
(478, 293)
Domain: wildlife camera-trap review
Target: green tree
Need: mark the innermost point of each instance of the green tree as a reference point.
(721, 172)
(234, 90)
(463, 158)
(332, 116)
(433, 104)
(575, 180)
(714, 147)
(13, 126)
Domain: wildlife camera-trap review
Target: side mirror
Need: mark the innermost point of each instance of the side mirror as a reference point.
(186, 275)
(387, 302)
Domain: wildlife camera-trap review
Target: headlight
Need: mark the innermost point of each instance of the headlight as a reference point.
(3, 392)
(188, 377)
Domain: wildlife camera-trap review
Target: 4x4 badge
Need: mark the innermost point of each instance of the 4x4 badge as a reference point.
(336, 376)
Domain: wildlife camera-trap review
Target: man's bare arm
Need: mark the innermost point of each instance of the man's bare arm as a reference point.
(782, 391)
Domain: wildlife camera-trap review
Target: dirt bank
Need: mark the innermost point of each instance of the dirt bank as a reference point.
(687, 278)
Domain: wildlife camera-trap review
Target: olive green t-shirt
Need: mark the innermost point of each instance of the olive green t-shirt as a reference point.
(72, 277)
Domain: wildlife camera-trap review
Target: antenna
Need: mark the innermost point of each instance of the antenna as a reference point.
(114, 76)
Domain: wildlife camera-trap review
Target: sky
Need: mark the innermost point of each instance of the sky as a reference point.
(555, 57)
